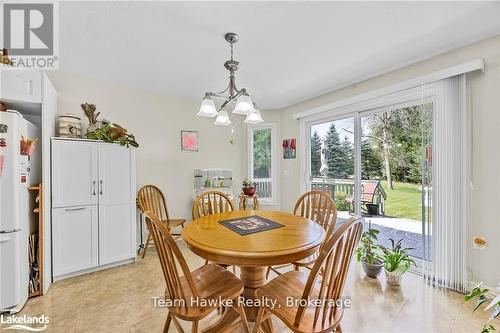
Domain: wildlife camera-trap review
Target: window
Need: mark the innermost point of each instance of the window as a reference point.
(262, 161)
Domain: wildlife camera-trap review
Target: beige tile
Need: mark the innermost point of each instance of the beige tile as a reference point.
(120, 300)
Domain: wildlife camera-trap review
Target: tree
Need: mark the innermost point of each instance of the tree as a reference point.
(347, 158)
(334, 153)
(380, 124)
(315, 154)
(262, 153)
(371, 164)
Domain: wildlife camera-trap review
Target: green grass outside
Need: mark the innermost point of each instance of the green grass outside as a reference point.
(404, 201)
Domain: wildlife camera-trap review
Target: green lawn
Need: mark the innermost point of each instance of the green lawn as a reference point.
(404, 201)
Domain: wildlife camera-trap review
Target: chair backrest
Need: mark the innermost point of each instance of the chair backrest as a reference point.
(171, 260)
(317, 206)
(211, 202)
(150, 198)
(333, 264)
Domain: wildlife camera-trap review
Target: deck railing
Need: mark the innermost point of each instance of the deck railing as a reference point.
(344, 186)
(264, 187)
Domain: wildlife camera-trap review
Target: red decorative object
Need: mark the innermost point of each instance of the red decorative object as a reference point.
(249, 191)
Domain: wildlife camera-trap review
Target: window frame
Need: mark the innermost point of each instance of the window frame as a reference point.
(273, 200)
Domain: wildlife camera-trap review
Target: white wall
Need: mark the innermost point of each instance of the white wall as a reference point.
(484, 101)
(156, 121)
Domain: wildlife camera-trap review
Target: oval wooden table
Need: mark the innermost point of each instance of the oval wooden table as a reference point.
(253, 253)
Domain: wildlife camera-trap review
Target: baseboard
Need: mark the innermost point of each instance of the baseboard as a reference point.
(93, 269)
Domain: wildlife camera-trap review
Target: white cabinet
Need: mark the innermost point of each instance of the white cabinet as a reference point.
(96, 176)
(116, 219)
(20, 85)
(74, 169)
(75, 239)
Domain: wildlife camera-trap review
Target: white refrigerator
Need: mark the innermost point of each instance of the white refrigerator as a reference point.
(17, 173)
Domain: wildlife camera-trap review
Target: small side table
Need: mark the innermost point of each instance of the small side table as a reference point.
(243, 201)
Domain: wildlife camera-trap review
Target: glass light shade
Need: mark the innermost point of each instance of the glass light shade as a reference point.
(222, 119)
(244, 104)
(207, 108)
(254, 118)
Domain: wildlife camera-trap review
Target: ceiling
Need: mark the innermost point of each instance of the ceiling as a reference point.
(288, 51)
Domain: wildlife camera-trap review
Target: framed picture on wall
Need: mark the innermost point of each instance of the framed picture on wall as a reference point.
(189, 140)
(289, 148)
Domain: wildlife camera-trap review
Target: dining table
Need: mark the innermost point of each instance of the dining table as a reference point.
(297, 238)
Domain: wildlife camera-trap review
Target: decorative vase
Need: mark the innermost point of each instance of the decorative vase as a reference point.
(249, 191)
(372, 270)
(394, 277)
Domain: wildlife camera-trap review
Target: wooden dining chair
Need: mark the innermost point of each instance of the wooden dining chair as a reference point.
(151, 198)
(319, 207)
(209, 283)
(209, 203)
(333, 265)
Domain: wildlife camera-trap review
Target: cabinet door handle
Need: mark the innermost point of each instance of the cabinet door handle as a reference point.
(74, 209)
(100, 187)
(93, 187)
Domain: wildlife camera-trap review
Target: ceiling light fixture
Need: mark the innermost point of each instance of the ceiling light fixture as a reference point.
(244, 104)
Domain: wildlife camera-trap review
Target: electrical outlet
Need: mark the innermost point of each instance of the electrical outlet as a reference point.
(479, 242)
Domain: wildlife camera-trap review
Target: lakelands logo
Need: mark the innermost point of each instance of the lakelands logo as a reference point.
(30, 35)
(28, 323)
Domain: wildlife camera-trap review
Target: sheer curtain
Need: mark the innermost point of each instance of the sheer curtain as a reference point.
(449, 188)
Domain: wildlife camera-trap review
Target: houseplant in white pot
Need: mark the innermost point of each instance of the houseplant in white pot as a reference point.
(369, 253)
(396, 262)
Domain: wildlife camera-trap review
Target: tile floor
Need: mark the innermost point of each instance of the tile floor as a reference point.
(120, 300)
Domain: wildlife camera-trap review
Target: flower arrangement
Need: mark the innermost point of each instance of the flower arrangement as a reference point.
(113, 133)
(90, 112)
(249, 187)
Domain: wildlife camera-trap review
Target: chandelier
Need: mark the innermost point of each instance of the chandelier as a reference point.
(243, 104)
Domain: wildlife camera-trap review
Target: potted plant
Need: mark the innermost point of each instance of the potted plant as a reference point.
(396, 262)
(369, 253)
(249, 187)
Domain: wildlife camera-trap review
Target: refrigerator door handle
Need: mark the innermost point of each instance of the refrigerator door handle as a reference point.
(74, 209)
(93, 187)
(9, 231)
(101, 186)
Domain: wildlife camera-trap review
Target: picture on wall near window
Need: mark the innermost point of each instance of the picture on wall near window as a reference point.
(289, 148)
(189, 140)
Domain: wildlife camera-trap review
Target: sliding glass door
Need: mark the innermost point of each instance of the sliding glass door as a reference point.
(378, 163)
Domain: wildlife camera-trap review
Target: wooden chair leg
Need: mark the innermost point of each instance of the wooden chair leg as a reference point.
(195, 327)
(258, 320)
(206, 262)
(243, 316)
(297, 268)
(167, 323)
(177, 325)
(146, 247)
(268, 272)
(234, 270)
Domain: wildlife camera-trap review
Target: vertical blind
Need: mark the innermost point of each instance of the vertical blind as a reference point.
(449, 201)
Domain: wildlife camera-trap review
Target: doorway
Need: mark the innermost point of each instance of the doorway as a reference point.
(378, 163)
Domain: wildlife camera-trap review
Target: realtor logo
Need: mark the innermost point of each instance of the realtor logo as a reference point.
(30, 31)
